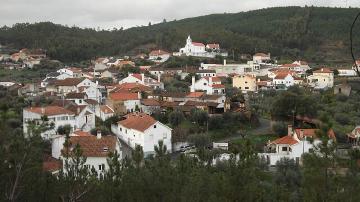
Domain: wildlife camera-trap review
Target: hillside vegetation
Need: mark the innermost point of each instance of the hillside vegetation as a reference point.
(313, 33)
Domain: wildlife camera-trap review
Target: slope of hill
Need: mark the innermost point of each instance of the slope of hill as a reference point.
(311, 33)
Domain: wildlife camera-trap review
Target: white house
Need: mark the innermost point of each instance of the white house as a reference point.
(159, 56)
(321, 79)
(347, 72)
(59, 116)
(144, 80)
(261, 58)
(142, 129)
(104, 112)
(96, 149)
(283, 80)
(246, 83)
(293, 145)
(210, 85)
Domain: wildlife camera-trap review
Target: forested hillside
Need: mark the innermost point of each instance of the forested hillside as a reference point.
(311, 33)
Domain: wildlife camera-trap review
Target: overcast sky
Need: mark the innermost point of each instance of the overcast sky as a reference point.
(128, 13)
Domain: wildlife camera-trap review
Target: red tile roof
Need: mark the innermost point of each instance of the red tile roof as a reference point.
(289, 140)
(138, 76)
(50, 110)
(106, 109)
(312, 133)
(214, 79)
(81, 133)
(131, 87)
(68, 82)
(158, 53)
(197, 44)
(138, 121)
(213, 46)
(261, 54)
(123, 96)
(281, 75)
(218, 86)
(91, 146)
(195, 94)
(323, 70)
(150, 102)
(51, 164)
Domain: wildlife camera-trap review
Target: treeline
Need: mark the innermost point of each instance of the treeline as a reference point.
(311, 33)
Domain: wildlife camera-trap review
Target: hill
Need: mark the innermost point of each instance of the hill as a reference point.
(315, 34)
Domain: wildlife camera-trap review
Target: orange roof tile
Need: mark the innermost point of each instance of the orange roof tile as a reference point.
(91, 146)
(158, 53)
(106, 109)
(218, 86)
(197, 44)
(81, 133)
(49, 110)
(195, 94)
(312, 133)
(138, 121)
(68, 82)
(123, 96)
(289, 140)
(150, 102)
(214, 79)
(138, 76)
(323, 70)
(281, 75)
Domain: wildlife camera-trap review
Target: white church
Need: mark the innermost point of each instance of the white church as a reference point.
(198, 49)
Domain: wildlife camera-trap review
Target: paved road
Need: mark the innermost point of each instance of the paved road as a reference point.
(264, 128)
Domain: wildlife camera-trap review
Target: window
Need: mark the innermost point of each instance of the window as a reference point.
(204, 84)
(246, 87)
(284, 148)
(164, 136)
(154, 126)
(246, 82)
(120, 129)
(102, 167)
(126, 131)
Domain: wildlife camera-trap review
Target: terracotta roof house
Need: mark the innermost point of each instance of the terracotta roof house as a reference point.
(96, 149)
(293, 145)
(143, 130)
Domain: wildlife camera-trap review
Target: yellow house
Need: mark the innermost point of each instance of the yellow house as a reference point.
(245, 83)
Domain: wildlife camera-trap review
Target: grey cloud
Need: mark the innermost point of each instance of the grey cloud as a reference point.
(126, 13)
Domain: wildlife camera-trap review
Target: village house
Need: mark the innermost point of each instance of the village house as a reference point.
(104, 112)
(124, 102)
(321, 79)
(293, 145)
(142, 79)
(261, 58)
(210, 85)
(149, 106)
(354, 136)
(246, 83)
(143, 130)
(159, 56)
(96, 149)
(59, 116)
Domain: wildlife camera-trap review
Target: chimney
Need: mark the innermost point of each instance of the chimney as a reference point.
(301, 133)
(290, 130)
(210, 81)
(98, 134)
(139, 95)
(192, 84)
(224, 62)
(142, 78)
(159, 78)
(258, 80)
(42, 110)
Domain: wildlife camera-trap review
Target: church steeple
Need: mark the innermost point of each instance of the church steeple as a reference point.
(188, 40)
